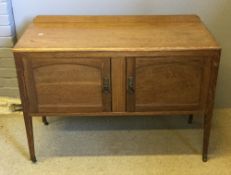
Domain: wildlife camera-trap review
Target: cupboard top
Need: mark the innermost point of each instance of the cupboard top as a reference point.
(116, 33)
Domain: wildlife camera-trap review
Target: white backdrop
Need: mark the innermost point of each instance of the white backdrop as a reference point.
(215, 13)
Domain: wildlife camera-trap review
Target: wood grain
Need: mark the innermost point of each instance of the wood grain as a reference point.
(214, 66)
(126, 33)
(67, 84)
(25, 104)
(115, 19)
(118, 84)
(130, 73)
(169, 83)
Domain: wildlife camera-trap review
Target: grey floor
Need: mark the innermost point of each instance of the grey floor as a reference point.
(115, 145)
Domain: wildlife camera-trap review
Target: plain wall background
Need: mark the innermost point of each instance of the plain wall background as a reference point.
(216, 14)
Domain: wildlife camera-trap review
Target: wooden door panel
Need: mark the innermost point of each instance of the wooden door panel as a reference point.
(67, 84)
(167, 83)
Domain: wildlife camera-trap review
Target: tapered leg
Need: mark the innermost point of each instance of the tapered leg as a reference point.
(44, 119)
(207, 129)
(210, 104)
(30, 137)
(190, 119)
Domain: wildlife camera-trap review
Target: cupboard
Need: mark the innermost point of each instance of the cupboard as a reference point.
(117, 66)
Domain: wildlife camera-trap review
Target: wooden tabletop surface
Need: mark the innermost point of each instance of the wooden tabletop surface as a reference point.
(116, 33)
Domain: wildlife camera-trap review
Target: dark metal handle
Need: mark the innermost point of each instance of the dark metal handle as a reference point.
(131, 88)
(106, 85)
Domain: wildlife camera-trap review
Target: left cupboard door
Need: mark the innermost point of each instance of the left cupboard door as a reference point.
(68, 85)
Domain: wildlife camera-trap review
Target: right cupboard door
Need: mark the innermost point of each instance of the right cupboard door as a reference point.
(167, 83)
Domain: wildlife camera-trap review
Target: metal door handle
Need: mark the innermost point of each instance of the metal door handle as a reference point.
(131, 88)
(106, 85)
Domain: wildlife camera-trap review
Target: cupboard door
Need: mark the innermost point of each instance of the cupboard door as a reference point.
(68, 85)
(167, 83)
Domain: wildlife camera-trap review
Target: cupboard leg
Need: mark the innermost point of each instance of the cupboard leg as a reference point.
(44, 119)
(30, 137)
(207, 129)
(209, 111)
(190, 119)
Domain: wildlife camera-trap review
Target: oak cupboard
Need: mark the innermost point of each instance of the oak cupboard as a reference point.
(117, 66)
